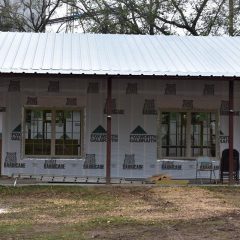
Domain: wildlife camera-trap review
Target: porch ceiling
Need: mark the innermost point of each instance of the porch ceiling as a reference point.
(98, 54)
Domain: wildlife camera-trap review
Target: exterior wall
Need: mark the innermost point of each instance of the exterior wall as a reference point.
(137, 104)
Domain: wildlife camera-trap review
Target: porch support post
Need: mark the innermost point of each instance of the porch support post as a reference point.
(231, 123)
(109, 130)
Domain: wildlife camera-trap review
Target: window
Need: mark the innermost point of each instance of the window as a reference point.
(203, 134)
(187, 134)
(52, 132)
(67, 129)
(173, 128)
(38, 132)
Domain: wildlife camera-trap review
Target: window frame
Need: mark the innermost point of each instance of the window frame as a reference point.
(53, 132)
(188, 132)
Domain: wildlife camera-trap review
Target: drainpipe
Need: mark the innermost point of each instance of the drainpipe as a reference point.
(231, 122)
(109, 130)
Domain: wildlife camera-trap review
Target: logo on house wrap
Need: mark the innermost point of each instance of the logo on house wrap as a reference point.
(53, 164)
(132, 88)
(224, 109)
(138, 135)
(223, 138)
(16, 133)
(187, 104)
(171, 165)
(115, 110)
(11, 161)
(71, 101)
(170, 89)
(53, 86)
(129, 162)
(93, 87)
(90, 162)
(149, 107)
(32, 101)
(14, 86)
(208, 90)
(100, 135)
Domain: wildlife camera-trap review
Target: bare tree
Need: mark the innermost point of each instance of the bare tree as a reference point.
(28, 15)
(7, 15)
(123, 16)
(190, 17)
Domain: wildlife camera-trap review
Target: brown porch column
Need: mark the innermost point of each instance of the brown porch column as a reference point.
(109, 130)
(231, 122)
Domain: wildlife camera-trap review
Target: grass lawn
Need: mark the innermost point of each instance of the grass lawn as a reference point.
(125, 212)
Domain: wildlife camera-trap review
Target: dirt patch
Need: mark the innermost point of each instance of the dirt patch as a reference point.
(120, 212)
(171, 203)
(3, 210)
(219, 228)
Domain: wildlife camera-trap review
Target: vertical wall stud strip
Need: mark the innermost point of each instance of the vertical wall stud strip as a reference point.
(231, 116)
(109, 130)
(53, 132)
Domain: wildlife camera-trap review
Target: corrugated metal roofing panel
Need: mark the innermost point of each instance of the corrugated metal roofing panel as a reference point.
(76, 55)
(57, 53)
(46, 61)
(119, 54)
(12, 52)
(21, 52)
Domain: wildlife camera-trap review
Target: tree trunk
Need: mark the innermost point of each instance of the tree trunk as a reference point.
(230, 18)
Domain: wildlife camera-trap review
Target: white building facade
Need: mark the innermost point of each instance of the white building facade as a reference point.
(167, 111)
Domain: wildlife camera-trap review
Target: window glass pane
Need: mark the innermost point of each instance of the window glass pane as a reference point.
(38, 132)
(173, 134)
(67, 133)
(203, 134)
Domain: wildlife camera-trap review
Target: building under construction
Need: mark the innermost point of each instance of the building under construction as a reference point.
(119, 106)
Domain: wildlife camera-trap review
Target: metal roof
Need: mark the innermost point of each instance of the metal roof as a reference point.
(119, 54)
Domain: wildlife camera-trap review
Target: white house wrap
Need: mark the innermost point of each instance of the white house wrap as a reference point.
(170, 103)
